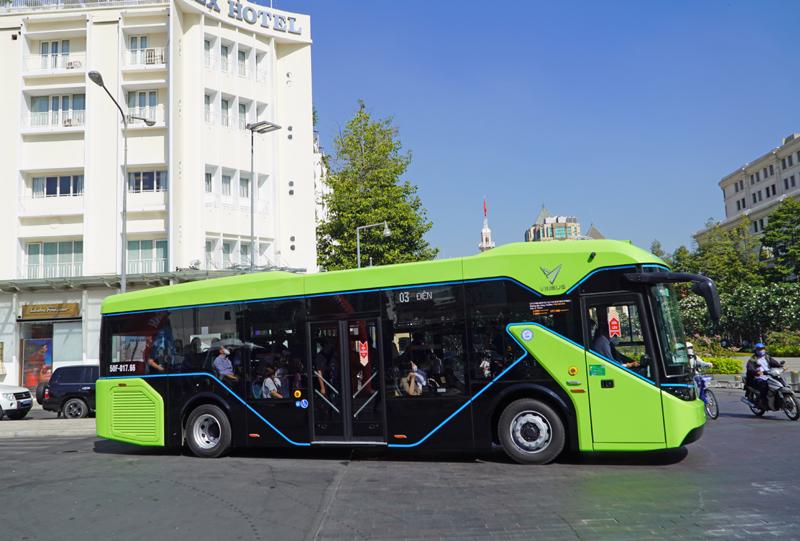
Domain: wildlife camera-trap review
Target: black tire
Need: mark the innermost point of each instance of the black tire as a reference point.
(17, 415)
(712, 406)
(791, 407)
(75, 408)
(531, 432)
(758, 412)
(1, 414)
(40, 393)
(208, 432)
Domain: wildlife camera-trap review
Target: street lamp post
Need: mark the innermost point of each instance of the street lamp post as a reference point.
(386, 233)
(98, 80)
(263, 126)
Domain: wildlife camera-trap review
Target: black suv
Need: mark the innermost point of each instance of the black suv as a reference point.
(70, 391)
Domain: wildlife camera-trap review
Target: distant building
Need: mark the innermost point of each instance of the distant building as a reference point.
(594, 233)
(753, 191)
(486, 234)
(549, 227)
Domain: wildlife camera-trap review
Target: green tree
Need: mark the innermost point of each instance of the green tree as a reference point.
(782, 238)
(683, 260)
(657, 250)
(366, 188)
(729, 256)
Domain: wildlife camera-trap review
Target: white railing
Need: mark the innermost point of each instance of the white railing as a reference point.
(224, 64)
(156, 114)
(147, 266)
(151, 56)
(242, 69)
(56, 61)
(58, 270)
(57, 119)
(34, 5)
(225, 119)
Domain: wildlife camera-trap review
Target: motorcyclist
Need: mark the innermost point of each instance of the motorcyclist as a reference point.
(694, 360)
(757, 367)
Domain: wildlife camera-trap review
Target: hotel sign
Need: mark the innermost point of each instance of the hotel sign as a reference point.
(261, 17)
(51, 311)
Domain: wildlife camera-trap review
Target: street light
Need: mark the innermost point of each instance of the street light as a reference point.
(262, 126)
(97, 79)
(386, 233)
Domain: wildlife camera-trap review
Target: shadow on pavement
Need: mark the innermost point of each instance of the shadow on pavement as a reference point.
(666, 457)
(766, 416)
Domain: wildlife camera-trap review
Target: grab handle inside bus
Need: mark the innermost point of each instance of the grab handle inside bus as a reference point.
(701, 285)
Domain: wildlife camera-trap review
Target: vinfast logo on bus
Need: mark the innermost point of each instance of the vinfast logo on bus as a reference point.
(552, 275)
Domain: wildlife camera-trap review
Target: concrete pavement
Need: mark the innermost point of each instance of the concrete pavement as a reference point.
(45, 424)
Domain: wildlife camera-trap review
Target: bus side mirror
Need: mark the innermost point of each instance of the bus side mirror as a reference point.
(706, 288)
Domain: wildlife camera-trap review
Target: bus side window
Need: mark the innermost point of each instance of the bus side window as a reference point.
(615, 332)
(424, 341)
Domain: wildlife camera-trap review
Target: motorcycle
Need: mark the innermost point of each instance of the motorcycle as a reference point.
(707, 395)
(780, 396)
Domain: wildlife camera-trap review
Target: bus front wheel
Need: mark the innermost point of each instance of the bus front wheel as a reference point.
(531, 432)
(208, 431)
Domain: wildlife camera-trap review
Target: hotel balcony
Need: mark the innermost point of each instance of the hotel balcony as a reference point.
(54, 121)
(50, 65)
(42, 207)
(149, 59)
(157, 114)
(18, 6)
(147, 266)
(56, 270)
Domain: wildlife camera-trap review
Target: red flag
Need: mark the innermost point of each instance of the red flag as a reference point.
(484, 207)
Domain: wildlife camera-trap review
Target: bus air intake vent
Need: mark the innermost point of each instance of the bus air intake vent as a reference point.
(135, 416)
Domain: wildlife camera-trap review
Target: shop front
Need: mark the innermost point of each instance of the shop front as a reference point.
(49, 335)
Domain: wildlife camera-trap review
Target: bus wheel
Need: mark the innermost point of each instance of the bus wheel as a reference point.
(531, 432)
(208, 431)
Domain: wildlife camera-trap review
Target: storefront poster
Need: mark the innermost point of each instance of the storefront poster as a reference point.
(37, 356)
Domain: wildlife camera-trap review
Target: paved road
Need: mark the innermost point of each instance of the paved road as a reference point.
(742, 480)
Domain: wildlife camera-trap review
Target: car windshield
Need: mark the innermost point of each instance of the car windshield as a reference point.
(669, 326)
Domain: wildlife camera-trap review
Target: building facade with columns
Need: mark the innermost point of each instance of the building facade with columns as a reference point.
(199, 71)
(753, 191)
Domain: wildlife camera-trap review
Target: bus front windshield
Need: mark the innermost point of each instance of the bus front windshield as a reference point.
(669, 326)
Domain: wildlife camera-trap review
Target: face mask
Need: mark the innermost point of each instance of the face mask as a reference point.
(761, 353)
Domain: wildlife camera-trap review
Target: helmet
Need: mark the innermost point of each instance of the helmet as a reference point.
(759, 346)
(689, 345)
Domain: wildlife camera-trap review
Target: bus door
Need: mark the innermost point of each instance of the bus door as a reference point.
(346, 372)
(624, 397)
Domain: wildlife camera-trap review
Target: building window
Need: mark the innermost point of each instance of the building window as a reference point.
(55, 259)
(764, 172)
(761, 224)
(242, 63)
(754, 199)
(752, 180)
(783, 163)
(758, 176)
(60, 186)
(738, 205)
(210, 254)
(225, 107)
(57, 111)
(227, 251)
(147, 181)
(789, 160)
(736, 188)
(54, 54)
(786, 184)
(242, 116)
(224, 57)
(138, 45)
(143, 103)
(759, 195)
(244, 253)
(244, 188)
(207, 109)
(226, 185)
(791, 181)
(207, 52)
(147, 256)
(744, 202)
(771, 170)
(209, 183)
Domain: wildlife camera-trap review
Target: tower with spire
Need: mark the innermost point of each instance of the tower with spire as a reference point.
(486, 234)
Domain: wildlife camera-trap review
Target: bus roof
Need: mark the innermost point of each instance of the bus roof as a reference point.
(550, 268)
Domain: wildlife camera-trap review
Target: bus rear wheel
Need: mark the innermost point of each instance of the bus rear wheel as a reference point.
(531, 432)
(208, 431)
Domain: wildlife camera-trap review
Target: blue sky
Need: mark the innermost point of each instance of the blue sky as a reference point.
(625, 114)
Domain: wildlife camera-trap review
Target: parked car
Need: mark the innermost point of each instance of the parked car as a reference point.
(15, 402)
(70, 391)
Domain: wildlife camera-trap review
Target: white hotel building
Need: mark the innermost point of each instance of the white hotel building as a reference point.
(200, 70)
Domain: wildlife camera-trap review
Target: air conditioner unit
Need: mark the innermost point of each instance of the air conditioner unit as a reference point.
(67, 122)
(150, 56)
(73, 64)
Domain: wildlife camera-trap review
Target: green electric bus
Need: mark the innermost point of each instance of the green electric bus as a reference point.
(535, 347)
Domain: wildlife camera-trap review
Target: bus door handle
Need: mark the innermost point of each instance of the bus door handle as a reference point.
(606, 383)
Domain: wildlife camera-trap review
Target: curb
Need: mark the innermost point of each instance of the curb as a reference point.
(74, 433)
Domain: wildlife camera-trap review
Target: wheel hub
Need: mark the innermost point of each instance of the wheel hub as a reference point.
(206, 431)
(531, 432)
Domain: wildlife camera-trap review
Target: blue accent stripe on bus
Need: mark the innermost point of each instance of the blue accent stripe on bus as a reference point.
(248, 406)
(582, 280)
(468, 402)
(677, 385)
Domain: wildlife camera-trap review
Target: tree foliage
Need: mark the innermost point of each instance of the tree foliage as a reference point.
(782, 239)
(727, 256)
(366, 188)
